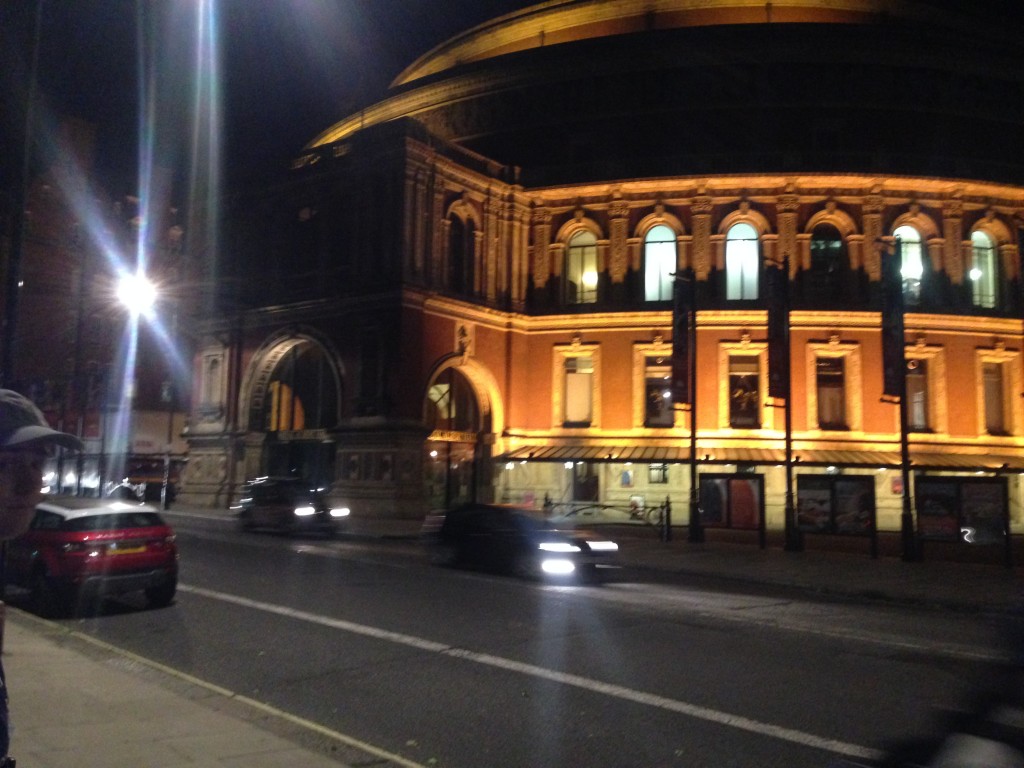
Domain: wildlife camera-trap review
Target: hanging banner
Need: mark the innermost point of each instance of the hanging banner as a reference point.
(893, 362)
(682, 319)
(777, 285)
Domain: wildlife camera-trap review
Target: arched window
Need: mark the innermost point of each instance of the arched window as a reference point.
(742, 262)
(461, 255)
(984, 270)
(452, 404)
(912, 268)
(659, 263)
(581, 268)
(828, 263)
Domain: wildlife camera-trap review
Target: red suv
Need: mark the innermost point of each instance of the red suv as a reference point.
(80, 549)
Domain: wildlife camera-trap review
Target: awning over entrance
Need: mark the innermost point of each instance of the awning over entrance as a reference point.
(951, 461)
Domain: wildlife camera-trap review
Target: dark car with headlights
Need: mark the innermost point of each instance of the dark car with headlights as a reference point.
(288, 505)
(77, 550)
(514, 540)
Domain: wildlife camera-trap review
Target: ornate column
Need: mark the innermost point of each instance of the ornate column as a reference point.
(701, 209)
(520, 246)
(492, 210)
(618, 240)
(788, 208)
(874, 205)
(952, 230)
(541, 246)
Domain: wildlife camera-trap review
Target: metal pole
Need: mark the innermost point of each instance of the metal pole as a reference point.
(696, 530)
(794, 536)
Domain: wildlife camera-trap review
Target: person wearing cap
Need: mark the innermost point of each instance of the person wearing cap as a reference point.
(25, 442)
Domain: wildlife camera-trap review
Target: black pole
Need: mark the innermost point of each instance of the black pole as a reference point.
(794, 537)
(695, 529)
(907, 535)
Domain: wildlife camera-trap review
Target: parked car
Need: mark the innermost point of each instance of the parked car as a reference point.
(288, 505)
(79, 549)
(514, 540)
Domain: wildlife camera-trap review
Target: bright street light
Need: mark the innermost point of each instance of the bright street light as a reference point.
(137, 293)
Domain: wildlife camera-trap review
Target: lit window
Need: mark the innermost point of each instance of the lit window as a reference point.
(831, 383)
(659, 263)
(579, 391)
(917, 395)
(984, 273)
(994, 393)
(912, 268)
(657, 474)
(658, 392)
(744, 392)
(742, 262)
(581, 269)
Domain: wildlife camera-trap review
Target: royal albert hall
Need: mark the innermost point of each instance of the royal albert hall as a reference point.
(478, 287)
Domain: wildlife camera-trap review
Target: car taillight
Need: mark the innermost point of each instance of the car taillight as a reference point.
(90, 548)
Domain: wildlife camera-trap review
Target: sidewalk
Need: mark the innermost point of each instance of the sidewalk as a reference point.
(78, 702)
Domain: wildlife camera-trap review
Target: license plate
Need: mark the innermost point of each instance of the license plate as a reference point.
(125, 550)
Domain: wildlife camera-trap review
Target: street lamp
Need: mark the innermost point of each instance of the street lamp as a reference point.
(137, 293)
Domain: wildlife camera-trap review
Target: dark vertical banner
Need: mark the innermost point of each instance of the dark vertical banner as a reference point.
(777, 284)
(682, 311)
(893, 362)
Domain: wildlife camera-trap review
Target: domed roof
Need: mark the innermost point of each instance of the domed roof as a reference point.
(563, 21)
(580, 90)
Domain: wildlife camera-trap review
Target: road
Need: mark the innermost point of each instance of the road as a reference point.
(455, 669)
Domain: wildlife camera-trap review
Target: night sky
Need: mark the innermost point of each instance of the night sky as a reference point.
(290, 68)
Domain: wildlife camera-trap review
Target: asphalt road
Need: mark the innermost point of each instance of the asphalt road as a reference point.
(461, 670)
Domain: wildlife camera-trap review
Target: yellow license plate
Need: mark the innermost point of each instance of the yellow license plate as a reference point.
(125, 550)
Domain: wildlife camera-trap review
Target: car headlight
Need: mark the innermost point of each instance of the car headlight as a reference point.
(603, 546)
(304, 511)
(340, 512)
(558, 546)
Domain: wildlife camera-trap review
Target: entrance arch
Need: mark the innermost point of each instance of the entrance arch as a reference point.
(462, 409)
(293, 407)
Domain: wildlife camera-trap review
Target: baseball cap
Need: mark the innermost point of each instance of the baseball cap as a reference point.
(22, 425)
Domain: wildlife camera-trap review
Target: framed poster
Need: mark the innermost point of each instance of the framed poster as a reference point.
(814, 503)
(938, 508)
(732, 501)
(983, 508)
(841, 504)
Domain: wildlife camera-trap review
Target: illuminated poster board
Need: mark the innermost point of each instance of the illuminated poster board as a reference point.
(843, 504)
(973, 510)
(732, 501)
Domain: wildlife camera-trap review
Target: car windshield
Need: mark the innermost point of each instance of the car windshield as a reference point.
(113, 522)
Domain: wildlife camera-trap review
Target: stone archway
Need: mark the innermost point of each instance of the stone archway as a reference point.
(463, 412)
(292, 407)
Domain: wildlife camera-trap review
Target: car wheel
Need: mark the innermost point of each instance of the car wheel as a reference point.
(162, 596)
(47, 600)
(244, 520)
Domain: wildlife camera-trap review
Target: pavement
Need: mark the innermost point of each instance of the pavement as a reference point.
(76, 701)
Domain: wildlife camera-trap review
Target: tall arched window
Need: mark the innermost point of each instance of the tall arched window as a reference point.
(659, 263)
(581, 268)
(742, 262)
(912, 268)
(984, 270)
(828, 262)
(461, 241)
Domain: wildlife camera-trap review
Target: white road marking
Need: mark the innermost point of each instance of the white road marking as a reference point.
(595, 686)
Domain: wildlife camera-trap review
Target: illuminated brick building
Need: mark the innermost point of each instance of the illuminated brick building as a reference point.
(465, 290)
